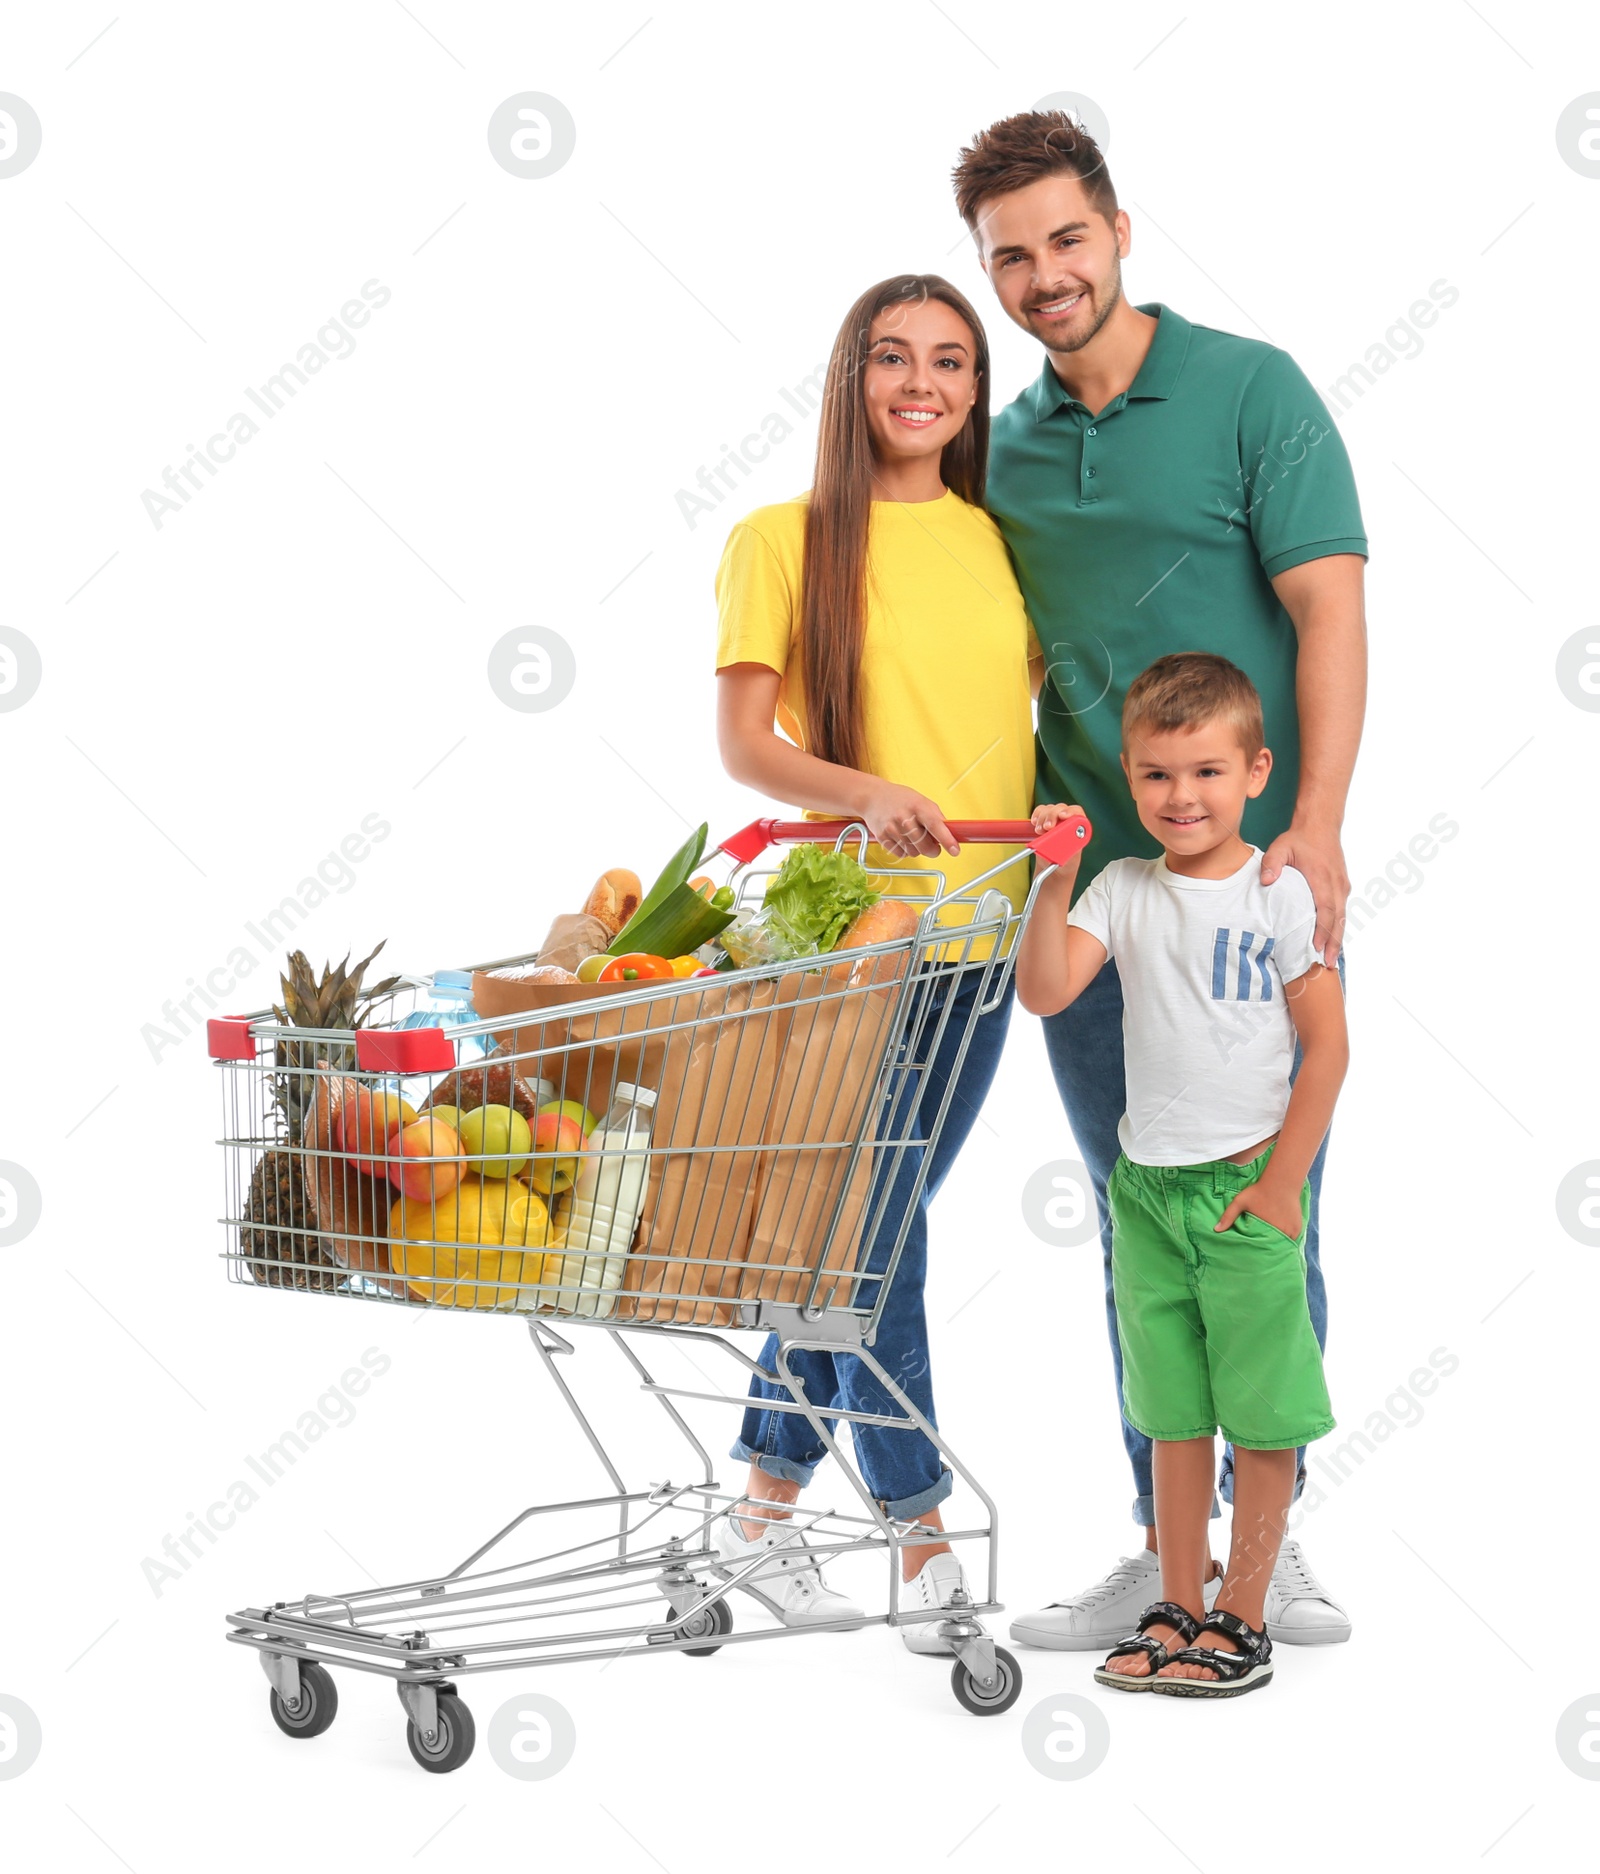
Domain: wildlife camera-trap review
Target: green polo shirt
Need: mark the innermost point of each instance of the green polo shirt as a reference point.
(1157, 525)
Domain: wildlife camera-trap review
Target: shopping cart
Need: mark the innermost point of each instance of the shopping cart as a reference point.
(794, 1093)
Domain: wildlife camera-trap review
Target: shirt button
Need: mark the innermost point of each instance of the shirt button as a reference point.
(1091, 431)
(1094, 471)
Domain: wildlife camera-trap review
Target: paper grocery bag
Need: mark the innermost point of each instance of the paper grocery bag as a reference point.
(710, 1117)
(706, 1051)
(762, 1085)
(573, 936)
(811, 1177)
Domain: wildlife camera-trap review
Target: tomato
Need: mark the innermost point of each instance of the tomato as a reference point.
(636, 967)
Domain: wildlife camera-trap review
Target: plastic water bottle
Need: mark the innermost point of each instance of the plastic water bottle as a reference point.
(606, 1205)
(449, 1005)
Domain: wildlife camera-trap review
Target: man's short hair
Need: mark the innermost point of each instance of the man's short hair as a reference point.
(1026, 148)
(1189, 688)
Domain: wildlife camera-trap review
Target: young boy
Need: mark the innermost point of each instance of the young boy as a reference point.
(1209, 1198)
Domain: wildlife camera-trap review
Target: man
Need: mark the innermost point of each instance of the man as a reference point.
(1163, 487)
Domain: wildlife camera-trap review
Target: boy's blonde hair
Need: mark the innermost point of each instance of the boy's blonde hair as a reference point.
(1188, 688)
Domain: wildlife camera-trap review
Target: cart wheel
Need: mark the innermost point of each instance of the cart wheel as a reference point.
(989, 1701)
(713, 1620)
(451, 1745)
(316, 1708)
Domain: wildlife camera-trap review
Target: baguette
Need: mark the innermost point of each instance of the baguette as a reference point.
(614, 898)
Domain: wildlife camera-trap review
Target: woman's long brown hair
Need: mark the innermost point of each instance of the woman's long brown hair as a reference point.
(833, 592)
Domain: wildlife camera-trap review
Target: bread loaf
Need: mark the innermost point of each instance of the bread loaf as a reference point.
(535, 973)
(888, 921)
(614, 898)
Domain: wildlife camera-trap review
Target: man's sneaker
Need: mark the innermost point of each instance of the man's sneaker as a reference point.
(1300, 1611)
(1109, 1611)
(932, 1585)
(787, 1581)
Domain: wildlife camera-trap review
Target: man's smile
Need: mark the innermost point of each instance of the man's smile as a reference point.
(1057, 308)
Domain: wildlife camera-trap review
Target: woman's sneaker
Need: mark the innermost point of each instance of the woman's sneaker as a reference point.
(933, 1585)
(1107, 1612)
(787, 1581)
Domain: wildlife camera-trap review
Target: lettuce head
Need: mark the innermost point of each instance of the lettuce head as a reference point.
(818, 894)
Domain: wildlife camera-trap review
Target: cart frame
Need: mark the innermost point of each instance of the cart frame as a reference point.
(660, 1540)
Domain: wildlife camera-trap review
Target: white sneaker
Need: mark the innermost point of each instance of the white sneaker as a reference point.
(1300, 1611)
(934, 1584)
(1107, 1612)
(787, 1582)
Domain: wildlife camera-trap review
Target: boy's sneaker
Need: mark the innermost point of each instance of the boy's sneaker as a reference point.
(1107, 1612)
(1300, 1611)
(788, 1582)
(933, 1585)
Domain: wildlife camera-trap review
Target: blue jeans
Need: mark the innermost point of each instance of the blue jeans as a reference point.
(1084, 1043)
(902, 1469)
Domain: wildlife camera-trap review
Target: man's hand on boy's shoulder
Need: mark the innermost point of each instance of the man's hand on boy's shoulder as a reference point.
(1318, 855)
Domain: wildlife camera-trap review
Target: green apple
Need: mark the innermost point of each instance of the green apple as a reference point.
(497, 1140)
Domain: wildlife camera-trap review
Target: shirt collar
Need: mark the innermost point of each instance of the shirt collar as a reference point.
(1157, 376)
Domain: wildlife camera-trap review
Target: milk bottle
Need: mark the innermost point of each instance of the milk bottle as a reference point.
(606, 1205)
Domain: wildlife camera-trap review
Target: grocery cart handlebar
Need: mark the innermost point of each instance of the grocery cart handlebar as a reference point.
(1065, 838)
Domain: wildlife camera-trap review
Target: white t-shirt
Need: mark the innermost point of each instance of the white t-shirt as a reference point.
(1206, 1029)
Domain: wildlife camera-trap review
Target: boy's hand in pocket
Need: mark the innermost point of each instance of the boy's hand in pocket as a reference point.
(1264, 1200)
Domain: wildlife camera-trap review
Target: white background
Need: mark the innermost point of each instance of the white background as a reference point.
(231, 693)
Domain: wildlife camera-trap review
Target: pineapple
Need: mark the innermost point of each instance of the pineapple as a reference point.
(282, 1217)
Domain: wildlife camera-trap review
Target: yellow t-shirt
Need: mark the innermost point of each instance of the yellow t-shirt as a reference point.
(946, 705)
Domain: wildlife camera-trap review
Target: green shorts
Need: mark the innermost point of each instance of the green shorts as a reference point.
(1214, 1327)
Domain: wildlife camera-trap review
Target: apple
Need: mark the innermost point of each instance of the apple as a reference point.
(451, 1115)
(497, 1139)
(557, 1142)
(571, 1109)
(415, 1155)
(365, 1123)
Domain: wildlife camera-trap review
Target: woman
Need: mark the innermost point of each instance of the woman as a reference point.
(877, 624)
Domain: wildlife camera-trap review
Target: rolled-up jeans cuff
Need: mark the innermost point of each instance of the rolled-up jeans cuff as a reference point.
(905, 1509)
(1227, 1485)
(785, 1468)
(1144, 1509)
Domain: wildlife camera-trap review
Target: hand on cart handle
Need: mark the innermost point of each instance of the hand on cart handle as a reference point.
(1067, 832)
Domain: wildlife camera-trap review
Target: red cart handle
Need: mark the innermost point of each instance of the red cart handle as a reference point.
(1068, 836)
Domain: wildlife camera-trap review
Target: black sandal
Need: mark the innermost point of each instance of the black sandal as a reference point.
(1243, 1671)
(1158, 1613)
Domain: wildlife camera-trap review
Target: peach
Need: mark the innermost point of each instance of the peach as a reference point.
(365, 1123)
(415, 1152)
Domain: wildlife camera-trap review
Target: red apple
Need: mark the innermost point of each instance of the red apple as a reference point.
(555, 1133)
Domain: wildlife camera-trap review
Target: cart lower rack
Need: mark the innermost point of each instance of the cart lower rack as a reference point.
(787, 1101)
